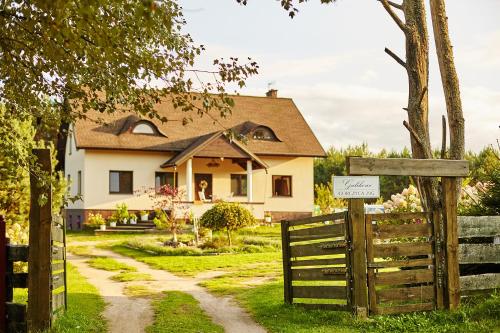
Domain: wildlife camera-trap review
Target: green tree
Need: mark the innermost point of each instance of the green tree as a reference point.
(227, 216)
(104, 55)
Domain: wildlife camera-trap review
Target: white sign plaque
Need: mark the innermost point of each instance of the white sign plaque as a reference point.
(356, 187)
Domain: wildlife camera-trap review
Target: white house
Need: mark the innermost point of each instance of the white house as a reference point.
(270, 171)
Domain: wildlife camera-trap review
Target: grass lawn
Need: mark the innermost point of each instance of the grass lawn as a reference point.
(179, 312)
(192, 265)
(85, 307)
(131, 276)
(109, 264)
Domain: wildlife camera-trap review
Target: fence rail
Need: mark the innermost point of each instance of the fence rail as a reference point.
(483, 253)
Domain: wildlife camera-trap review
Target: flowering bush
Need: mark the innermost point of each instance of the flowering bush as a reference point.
(406, 201)
(17, 233)
(94, 220)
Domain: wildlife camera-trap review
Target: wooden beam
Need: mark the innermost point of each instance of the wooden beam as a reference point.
(452, 286)
(479, 253)
(487, 281)
(407, 167)
(39, 265)
(287, 268)
(358, 252)
(3, 274)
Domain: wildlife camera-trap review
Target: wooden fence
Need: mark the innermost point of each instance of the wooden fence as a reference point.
(46, 277)
(315, 262)
(479, 254)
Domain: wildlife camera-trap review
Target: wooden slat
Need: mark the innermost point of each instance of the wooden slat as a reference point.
(57, 234)
(319, 274)
(327, 231)
(57, 301)
(402, 249)
(399, 216)
(318, 249)
(479, 253)
(58, 253)
(478, 226)
(401, 263)
(17, 327)
(481, 281)
(16, 312)
(404, 277)
(385, 310)
(372, 295)
(332, 307)
(326, 292)
(58, 266)
(17, 253)
(407, 167)
(316, 219)
(57, 220)
(439, 259)
(57, 280)
(319, 262)
(18, 280)
(402, 230)
(423, 293)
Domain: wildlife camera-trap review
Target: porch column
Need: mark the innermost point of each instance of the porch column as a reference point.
(189, 179)
(249, 181)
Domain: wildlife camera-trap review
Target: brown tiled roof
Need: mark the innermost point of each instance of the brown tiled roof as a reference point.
(279, 114)
(215, 144)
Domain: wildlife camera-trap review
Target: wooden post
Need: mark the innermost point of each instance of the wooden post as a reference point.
(439, 258)
(39, 259)
(358, 261)
(3, 276)
(452, 288)
(287, 268)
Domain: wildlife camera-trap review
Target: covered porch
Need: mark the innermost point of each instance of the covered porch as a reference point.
(215, 168)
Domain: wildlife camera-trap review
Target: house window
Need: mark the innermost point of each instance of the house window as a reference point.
(264, 133)
(79, 184)
(282, 186)
(164, 178)
(69, 183)
(143, 128)
(239, 185)
(121, 182)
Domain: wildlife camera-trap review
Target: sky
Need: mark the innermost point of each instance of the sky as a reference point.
(330, 60)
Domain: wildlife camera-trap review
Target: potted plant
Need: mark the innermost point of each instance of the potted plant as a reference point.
(144, 215)
(112, 222)
(268, 217)
(133, 218)
(122, 213)
(102, 225)
(95, 221)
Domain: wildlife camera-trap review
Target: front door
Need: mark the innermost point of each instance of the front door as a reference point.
(203, 186)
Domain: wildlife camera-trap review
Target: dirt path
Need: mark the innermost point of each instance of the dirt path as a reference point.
(223, 310)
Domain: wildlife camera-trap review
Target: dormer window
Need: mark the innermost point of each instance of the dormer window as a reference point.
(264, 133)
(144, 127)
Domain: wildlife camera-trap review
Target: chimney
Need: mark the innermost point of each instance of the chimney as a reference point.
(273, 93)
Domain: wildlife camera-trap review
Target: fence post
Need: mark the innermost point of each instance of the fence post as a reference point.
(3, 276)
(287, 269)
(358, 261)
(452, 286)
(39, 259)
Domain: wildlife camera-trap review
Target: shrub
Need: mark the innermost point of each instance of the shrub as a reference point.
(227, 216)
(121, 212)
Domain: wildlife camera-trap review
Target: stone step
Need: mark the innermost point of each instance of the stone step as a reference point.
(131, 227)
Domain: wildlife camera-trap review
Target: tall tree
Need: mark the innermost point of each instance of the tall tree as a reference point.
(449, 79)
(105, 55)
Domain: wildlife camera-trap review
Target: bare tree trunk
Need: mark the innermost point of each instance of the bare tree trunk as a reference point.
(449, 79)
(417, 67)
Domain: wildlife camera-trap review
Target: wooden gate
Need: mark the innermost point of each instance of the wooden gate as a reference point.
(316, 262)
(402, 263)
